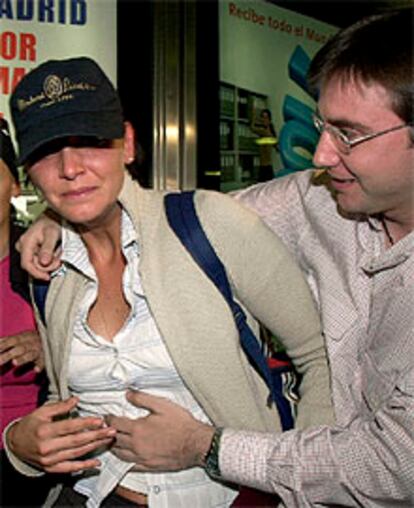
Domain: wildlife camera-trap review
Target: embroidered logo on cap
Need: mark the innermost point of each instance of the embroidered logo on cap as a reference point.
(53, 87)
(55, 90)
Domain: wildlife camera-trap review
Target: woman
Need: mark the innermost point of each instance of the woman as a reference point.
(21, 357)
(130, 309)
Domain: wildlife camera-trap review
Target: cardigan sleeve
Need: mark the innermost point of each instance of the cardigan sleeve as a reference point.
(270, 285)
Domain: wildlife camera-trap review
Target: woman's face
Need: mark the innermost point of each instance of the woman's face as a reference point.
(81, 178)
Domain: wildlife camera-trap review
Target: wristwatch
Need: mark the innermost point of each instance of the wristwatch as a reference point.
(211, 459)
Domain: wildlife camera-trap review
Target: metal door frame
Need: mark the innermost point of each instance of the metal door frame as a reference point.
(174, 93)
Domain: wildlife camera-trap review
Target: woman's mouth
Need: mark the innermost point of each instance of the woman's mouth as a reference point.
(81, 193)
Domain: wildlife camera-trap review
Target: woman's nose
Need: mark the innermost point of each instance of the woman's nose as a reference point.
(70, 163)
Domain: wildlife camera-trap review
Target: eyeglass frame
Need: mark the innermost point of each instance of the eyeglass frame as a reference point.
(321, 125)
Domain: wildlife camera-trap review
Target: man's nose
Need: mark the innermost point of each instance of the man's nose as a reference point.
(326, 154)
(70, 163)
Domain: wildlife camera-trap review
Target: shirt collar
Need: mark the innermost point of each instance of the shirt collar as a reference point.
(74, 251)
(383, 258)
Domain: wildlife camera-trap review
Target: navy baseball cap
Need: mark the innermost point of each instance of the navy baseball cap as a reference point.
(7, 152)
(61, 98)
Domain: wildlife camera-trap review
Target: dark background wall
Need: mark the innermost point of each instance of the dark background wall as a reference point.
(135, 71)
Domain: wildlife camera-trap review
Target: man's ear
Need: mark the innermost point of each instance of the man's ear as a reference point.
(129, 143)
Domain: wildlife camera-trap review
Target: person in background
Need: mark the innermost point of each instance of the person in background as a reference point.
(130, 309)
(267, 142)
(21, 358)
(351, 230)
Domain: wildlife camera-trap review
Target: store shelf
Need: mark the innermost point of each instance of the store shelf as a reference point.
(239, 154)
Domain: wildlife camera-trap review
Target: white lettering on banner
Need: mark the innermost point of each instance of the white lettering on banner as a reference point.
(73, 12)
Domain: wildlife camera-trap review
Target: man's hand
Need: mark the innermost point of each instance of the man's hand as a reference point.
(168, 439)
(57, 445)
(38, 247)
(22, 348)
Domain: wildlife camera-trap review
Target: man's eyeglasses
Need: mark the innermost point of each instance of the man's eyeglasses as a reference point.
(345, 142)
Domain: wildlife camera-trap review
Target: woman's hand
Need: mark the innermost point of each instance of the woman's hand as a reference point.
(22, 348)
(50, 440)
(39, 247)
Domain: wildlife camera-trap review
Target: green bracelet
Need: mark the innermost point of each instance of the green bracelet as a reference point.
(211, 460)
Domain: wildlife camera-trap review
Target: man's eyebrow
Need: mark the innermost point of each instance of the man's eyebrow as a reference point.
(343, 122)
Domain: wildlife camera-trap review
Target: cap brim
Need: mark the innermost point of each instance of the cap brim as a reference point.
(101, 124)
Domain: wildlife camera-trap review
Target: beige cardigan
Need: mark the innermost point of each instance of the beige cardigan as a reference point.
(194, 319)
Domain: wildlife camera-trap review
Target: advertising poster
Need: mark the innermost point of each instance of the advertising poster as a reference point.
(33, 31)
(265, 51)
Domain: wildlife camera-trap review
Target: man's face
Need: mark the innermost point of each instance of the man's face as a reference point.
(79, 177)
(377, 176)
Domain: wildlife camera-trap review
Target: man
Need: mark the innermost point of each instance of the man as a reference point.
(354, 240)
(357, 251)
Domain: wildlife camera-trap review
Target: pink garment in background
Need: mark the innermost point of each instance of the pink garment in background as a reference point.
(18, 388)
